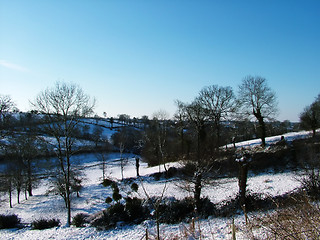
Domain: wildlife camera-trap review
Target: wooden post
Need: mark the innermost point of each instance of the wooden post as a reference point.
(233, 230)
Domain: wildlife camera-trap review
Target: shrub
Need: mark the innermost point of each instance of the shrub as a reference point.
(135, 209)
(207, 208)
(189, 169)
(132, 211)
(116, 196)
(45, 223)
(311, 183)
(112, 215)
(80, 219)
(172, 171)
(108, 200)
(114, 187)
(175, 211)
(134, 187)
(116, 209)
(254, 202)
(9, 221)
(157, 176)
(107, 182)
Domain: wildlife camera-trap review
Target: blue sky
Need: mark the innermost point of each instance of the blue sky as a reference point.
(137, 57)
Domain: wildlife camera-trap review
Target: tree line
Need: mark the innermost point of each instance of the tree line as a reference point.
(215, 117)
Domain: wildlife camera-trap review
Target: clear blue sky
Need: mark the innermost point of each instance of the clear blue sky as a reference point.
(137, 57)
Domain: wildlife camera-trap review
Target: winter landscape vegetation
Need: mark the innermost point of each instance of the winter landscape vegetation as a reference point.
(158, 120)
(208, 173)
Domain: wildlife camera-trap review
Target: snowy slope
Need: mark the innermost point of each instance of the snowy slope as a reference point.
(289, 137)
(93, 197)
(92, 200)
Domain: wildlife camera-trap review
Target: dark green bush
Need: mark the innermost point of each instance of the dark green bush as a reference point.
(114, 187)
(108, 200)
(134, 187)
(116, 196)
(80, 219)
(135, 210)
(112, 215)
(117, 209)
(107, 182)
(9, 221)
(175, 211)
(254, 202)
(207, 208)
(132, 211)
(172, 171)
(45, 223)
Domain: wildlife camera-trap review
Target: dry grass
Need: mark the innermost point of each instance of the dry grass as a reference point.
(299, 221)
(191, 231)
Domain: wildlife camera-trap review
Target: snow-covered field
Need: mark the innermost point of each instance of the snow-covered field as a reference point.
(92, 199)
(289, 137)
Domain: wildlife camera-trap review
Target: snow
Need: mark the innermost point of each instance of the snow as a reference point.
(289, 137)
(92, 200)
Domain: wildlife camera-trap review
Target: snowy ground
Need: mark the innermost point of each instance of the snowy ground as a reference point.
(94, 194)
(289, 137)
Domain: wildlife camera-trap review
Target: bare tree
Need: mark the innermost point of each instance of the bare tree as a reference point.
(120, 139)
(180, 117)
(161, 120)
(26, 148)
(310, 117)
(197, 117)
(97, 134)
(156, 202)
(123, 161)
(219, 103)
(124, 119)
(7, 184)
(102, 156)
(62, 107)
(257, 99)
(145, 120)
(6, 106)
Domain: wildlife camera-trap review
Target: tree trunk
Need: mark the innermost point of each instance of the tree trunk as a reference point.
(262, 127)
(158, 223)
(68, 205)
(243, 175)
(68, 193)
(10, 198)
(197, 189)
(218, 130)
(103, 170)
(18, 195)
(182, 141)
(29, 178)
(137, 166)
